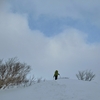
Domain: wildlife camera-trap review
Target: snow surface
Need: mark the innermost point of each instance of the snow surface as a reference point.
(62, 89)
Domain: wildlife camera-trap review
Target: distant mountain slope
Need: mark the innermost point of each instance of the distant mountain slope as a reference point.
(62, 89)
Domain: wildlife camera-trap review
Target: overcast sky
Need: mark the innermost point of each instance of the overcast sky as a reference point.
(52, 34)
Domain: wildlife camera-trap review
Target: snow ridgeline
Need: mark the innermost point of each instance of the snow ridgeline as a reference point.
(61, 89)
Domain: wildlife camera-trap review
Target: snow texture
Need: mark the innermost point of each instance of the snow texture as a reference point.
(62, 89)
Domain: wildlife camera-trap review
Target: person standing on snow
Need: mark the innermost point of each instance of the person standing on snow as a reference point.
(56, 74)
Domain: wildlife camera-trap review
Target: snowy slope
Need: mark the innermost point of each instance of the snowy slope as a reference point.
(62, 89)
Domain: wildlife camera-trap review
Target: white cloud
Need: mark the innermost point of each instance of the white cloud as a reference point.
(68, 51)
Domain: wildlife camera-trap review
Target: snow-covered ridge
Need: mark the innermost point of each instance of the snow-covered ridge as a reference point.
(62, 89)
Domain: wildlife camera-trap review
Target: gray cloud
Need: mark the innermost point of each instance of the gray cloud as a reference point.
(81, 10)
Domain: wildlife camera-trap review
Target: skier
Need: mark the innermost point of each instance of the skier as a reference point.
(56, 74)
